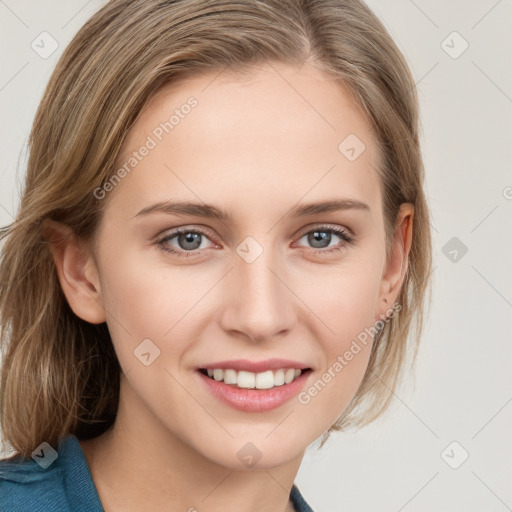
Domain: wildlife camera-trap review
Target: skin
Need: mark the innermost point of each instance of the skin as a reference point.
(255, 147)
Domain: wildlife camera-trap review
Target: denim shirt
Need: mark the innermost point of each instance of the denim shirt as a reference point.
(60, 481)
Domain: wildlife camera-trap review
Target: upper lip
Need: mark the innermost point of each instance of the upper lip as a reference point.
(255, 366)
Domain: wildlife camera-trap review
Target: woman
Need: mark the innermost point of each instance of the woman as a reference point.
(214, 260)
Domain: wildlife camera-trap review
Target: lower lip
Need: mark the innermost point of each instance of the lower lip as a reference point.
(255, 400)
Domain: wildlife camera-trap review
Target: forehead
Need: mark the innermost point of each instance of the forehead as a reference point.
(279, 132)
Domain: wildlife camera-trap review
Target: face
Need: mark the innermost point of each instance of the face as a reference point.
(269, 279)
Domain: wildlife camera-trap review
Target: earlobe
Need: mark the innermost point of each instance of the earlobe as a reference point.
(397, 264)
(77, 271)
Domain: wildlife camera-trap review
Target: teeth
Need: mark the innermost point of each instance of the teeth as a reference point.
(289, 375)
(246, 380)
(279, 378)
(250, 380)
(230, 377)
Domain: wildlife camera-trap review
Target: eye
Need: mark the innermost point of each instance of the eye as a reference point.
(188, 240)
(322, 236)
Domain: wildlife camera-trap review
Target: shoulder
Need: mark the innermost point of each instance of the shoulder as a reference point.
(27, 484)
(298, 501)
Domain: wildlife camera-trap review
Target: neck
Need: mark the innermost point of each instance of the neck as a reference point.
(139, 465)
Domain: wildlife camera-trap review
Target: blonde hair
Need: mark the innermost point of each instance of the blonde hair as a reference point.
(60, 374)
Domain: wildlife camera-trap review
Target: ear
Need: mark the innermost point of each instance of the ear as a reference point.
(78, 274)
(396, 266)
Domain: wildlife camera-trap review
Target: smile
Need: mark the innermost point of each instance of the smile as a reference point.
(251, 380)
(254, 392)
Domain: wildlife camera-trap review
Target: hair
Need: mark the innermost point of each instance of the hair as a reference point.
(60, 374)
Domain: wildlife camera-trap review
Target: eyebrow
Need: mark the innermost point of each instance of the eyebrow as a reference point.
(210, 211)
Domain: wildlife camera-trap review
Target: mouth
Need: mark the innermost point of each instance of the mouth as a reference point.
(254, 392)
(250, 380)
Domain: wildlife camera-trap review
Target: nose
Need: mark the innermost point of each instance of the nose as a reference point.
(258, 303)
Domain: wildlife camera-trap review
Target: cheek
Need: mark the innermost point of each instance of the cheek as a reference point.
(344, 301)
(147, 298)
(346, 348)
(343, 296)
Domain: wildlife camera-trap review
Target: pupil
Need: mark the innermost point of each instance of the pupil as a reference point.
(189, 239)
(319, 236)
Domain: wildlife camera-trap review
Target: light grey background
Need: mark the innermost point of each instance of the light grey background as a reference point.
(462, 390)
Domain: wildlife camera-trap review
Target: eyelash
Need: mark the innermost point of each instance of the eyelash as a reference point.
(346, 238)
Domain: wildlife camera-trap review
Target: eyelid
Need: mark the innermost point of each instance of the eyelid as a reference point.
(326, 226)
